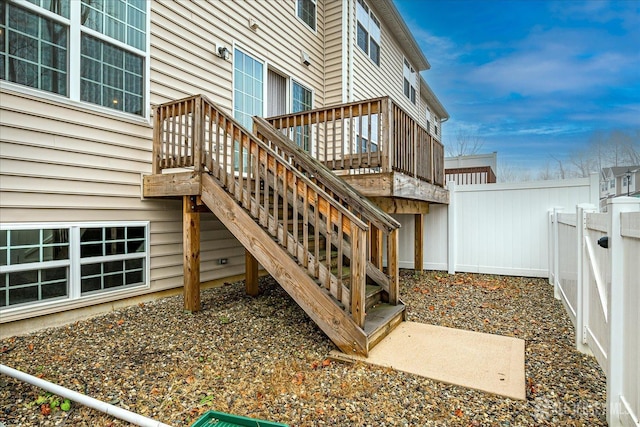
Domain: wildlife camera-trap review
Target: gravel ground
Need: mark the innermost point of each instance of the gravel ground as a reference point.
(262, 357)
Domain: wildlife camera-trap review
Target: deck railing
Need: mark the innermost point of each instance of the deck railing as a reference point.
(372, 136)
(313, 225)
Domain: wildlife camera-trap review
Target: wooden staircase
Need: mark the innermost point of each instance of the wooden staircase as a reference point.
(315, 235)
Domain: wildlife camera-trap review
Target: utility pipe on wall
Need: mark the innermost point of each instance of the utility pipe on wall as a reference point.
(85, 400)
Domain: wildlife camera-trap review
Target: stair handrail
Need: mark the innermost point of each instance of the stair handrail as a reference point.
(194, 133)
(322, 174)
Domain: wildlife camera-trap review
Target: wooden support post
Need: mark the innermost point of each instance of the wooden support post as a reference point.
(376, 247)
(392, 266)
(251, 274)
(419, 243)
(191, 244)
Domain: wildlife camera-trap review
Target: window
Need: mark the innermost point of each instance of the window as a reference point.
(368, 32)
(302, 101)
(307, 12)
(367, 134)
(248, 97)
(38, 39)
(67, 262)
(248, 93)
(409, 81)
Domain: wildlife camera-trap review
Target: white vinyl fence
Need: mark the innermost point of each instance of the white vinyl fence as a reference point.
(595, 270)
(494, 228)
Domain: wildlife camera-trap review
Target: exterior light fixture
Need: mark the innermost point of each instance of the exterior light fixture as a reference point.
(223, 52)
(628, 176)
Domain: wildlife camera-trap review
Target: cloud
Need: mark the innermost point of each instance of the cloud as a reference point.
(556, 61)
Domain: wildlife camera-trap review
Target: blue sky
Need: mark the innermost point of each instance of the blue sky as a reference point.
(532, 78)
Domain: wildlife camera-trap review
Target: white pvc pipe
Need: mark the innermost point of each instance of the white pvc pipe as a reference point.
(85, 400)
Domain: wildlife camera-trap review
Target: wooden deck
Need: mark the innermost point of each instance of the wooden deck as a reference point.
(376, 147)
(316, 235)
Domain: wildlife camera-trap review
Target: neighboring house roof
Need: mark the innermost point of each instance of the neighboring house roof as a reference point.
(433, 100)
(399, 29)
(616, 171)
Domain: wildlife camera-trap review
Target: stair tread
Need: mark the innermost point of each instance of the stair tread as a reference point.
(379, 315)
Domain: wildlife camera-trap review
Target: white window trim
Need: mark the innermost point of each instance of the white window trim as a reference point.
(73, 71)
(74, 298)
(314, 30)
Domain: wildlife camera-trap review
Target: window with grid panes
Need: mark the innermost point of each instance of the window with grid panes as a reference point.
(307, 12)
(409, 81)
(368, 31)
(59, 263)
(38, 39)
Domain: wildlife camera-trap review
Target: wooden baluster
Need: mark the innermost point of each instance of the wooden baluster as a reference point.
(267, 186)
(392, 265)
(285, 210)
(276, 199)
(370, 137)
(156, 166)
(327, 249)
(295, 231)
(197, 135)
(316, 229)
(358, 275)
(359, 141)
(340, 250)
(305, 225)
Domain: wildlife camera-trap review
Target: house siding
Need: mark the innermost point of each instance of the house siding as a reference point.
(67, 162)
(335, 80)
(371, 80)
(178, 72)
(64, 161)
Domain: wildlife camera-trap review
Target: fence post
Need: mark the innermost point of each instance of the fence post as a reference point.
(551, 238)
(582, 297)
(451, 228)
(556, 255)
(615, 307)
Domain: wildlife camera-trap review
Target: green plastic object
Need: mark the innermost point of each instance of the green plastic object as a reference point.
(221, 419)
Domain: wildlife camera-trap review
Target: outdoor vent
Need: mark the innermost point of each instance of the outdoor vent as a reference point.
(306, 59)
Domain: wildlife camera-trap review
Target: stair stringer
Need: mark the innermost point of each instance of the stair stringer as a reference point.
(315, 301)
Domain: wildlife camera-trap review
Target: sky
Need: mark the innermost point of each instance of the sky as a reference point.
(533, 79)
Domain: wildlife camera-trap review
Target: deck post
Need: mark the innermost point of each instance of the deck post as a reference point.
(191, 245)
(251, 274)
(418, 263)
(392, 265)
(198, 134)
(387, 134)
(157, 143)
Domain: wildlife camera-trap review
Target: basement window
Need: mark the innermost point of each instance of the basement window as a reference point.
(59, 263)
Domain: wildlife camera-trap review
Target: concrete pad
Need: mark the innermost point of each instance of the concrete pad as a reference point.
(491, 363)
